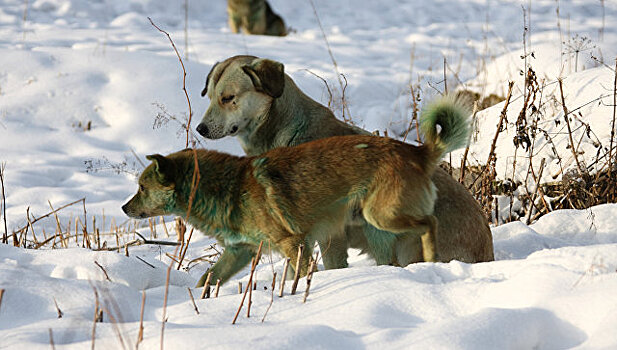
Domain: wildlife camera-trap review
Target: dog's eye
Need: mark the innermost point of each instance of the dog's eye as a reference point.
(141, 188)
(227, 99)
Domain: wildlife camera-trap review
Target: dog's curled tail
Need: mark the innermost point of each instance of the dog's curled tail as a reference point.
(451, 114)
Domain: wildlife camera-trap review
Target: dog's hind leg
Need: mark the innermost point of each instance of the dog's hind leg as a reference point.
(429, 241)
(426, 226)
(380, 245)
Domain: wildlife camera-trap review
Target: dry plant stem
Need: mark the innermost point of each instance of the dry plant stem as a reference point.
(283, 277)
(188, 124)
(465, 154)
(5, 237)
(1, 295)
(294, 286)
(105, 272)
(610, 149)
(491, 154)
(83, 200)
(496, 222)
(164, 316)
(58, 226)
(206, 287)
(330, 98)
(180, 229)
(414, 115)
(186, 30)
(488, 171)
(186, 247)
(85, 225)
(309, 277)
(164, 227)
(338, 74)
(32, 227)
(271, 297)
(250, 301)
(445, 76)
(96, 316)
(145, 262)
(123, 246)
(193, 301)
(151, 241)
(140, 334)
(51, 340)
(565, 116)
(51, 238)
(502, 117)
(239, 287)
(216, 289)
(194, 182)
(250, 282)
(60, 313)
(535, 193)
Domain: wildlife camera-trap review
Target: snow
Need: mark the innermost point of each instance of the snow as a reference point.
(72, 63)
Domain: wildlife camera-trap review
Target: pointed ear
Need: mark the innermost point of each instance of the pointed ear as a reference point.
(267, 76)
(165, 168)
(205, 90)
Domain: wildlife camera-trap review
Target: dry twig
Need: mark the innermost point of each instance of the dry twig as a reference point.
(5, 237)
(250, 282)
(565, 116)
(297, 274)
(193, 301)
(188, 124)
(284, 277)
(140, 334)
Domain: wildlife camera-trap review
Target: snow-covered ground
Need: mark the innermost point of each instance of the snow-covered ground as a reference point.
(65, 64)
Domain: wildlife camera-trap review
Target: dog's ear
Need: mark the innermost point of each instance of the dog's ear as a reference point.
(165, 168)
(267, 76)
(205, 90)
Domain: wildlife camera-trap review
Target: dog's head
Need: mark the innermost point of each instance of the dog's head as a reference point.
(155, 195)
(241, 90)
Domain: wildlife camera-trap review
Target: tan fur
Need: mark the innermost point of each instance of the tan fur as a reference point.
(291, 118)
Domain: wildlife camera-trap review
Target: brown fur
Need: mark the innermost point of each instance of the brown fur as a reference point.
(294, 118)
(294, 195)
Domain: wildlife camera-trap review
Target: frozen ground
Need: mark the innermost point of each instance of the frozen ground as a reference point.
(72, 63)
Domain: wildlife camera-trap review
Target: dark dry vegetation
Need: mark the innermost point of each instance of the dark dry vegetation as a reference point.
(580, 187)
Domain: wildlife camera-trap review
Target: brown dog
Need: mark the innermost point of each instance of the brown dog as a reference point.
(253, 99)
(297, 195)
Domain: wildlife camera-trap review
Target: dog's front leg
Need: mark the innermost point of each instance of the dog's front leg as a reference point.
(232, 260)
(289, 247)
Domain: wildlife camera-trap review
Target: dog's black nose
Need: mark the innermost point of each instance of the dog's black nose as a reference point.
(124, 208)
(202, 129)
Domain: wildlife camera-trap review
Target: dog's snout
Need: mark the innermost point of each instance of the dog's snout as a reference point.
(124, 208)
(202, 129)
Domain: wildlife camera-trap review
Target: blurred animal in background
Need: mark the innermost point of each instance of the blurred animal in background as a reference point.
(254, 17)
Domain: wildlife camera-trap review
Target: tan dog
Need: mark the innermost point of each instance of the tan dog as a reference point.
(254, 17)
(296, 195)
(253, 99)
